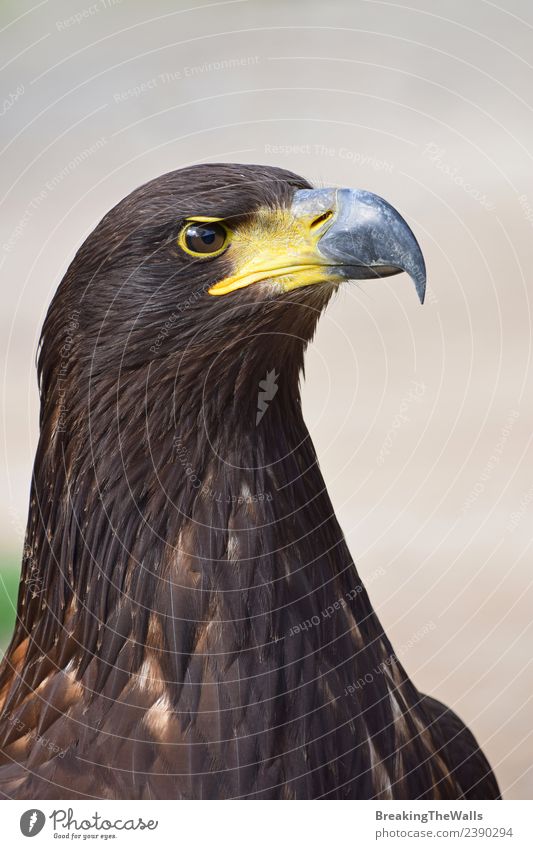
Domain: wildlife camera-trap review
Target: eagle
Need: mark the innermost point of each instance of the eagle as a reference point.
(190, 622)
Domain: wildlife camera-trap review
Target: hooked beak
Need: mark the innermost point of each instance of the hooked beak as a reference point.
(326, 234)
(367, 237)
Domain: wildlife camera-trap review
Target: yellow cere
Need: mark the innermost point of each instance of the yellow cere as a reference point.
(275, 244)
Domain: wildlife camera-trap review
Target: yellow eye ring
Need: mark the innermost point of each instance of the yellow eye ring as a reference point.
(204, 238)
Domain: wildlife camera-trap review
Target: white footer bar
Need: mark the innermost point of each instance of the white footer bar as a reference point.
(268, 825)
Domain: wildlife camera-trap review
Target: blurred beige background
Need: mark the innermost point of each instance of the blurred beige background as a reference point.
(421, 416)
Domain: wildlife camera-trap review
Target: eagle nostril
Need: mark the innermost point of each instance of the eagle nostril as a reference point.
(321, 219)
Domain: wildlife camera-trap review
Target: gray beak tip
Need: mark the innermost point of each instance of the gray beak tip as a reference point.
(420, 283)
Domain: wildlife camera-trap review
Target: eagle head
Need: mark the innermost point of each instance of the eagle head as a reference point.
(217, 266)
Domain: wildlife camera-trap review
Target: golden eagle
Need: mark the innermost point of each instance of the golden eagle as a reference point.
(190, 621)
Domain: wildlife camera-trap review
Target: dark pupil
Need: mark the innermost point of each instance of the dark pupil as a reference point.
(205, 238)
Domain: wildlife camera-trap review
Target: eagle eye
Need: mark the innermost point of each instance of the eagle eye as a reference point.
(204, 238)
